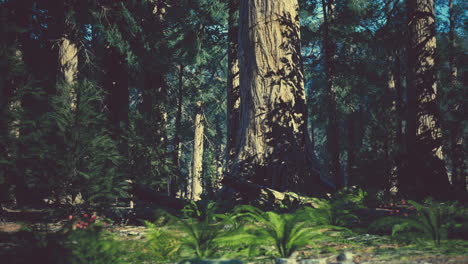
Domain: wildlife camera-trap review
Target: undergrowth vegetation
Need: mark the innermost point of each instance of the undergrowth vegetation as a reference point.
(209, 230)
(429, 220)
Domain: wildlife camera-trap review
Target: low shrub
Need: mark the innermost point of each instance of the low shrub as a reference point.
(431, 220)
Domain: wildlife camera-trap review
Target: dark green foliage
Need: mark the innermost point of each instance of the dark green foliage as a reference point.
(70, 245)
(93, 246)
(160, 245)
(432, 220)
(86, 156)
(48, 150)
(147, 164)
(206, 231)
(67, 151)
(288, 232)
(200, 231)
(339, 210)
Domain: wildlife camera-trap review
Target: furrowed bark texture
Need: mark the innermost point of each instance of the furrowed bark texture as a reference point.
(426, 173)
(272, 147)
(68, 56)
(197, 188)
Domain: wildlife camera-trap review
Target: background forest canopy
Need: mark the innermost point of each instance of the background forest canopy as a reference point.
(97, 95)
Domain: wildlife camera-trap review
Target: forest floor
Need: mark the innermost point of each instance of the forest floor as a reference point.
(365, 248)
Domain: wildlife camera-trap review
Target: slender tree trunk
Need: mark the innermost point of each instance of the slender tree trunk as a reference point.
(391, 164)
(219, 157)
(154, 123)
(34, 106)
(153, 126)
(56, 31)
(395, 87)
(351, 149)
(452, 44)
(29, 104)
(312, 137)
(189, 180)
(426, 174)
(68, 56)
(310, 121)
(68, 73)
(398, 100)
(9, 129)
(272, 148)
(233, 92)
(457, 156)
(117, 101)
(177, 144)
(332, 126)
(197, 168)
(456, 136)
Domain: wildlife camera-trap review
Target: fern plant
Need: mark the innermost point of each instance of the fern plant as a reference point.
(159, 246)
(205, 232)
(335, 213)
(288, 232)
(431, 219)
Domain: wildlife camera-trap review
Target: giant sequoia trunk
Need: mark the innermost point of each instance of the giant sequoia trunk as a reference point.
(197, 161)
(233, 92)
(425, 173)
(272, 147)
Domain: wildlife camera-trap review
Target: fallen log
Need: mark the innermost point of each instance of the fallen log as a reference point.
(245, 191)
(147, 194)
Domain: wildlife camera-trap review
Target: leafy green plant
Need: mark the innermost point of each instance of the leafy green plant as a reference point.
(204, 231)
(88, 158)
(334, 212)
(93, 246)
(338, 211)
(431, 219)
(159, 245)
(352, 197)
(87, 240)
(288, 232)
(67, 155)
